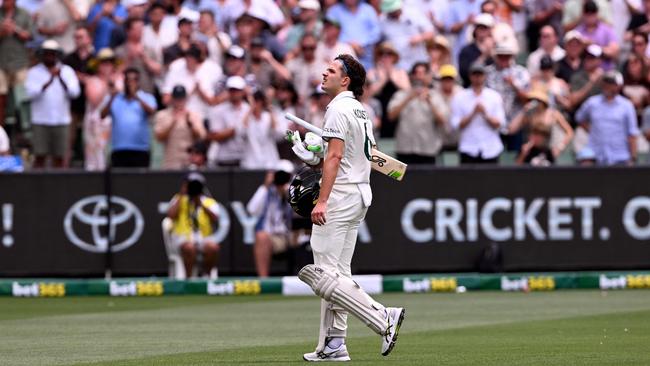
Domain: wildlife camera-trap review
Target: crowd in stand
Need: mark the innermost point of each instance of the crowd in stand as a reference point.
(89, 84)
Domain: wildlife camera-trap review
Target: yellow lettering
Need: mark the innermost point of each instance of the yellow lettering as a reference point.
(251, 287)
(51, 289)
(150, 288)
(443, 284)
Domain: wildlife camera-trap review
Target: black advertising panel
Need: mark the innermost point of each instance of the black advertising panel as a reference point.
(437, 220)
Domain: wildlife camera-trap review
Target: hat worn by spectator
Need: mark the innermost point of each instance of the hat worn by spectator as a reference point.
(332, 22)
(389, 6)
(179, 92)
(386, 47)
(484, 19)
(448, 71)
(613, 77)
(236, 52)
(236, 82)
(504, 49)
(309, 4)
(573, 34)
(51, 45)
(284, 166)
(538, 95)
(594, 50)
(477, 68)
(106, 54)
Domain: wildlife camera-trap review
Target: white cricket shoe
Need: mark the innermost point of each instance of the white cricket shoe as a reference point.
(395, 318)
(339, 354)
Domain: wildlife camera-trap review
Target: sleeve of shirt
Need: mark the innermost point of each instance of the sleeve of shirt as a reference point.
(211, 204)
(336, 126)
(396, 99)
(456, 112)
(4, 141)
(374, 31)
(582, 115)
(631, 120)
(149, 99)
(71, 81)
(256, 203)
(93, 12)
(33, 84)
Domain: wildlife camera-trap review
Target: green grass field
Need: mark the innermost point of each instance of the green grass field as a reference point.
(480, 328)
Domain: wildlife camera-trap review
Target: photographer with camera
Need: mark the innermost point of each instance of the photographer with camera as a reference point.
(269, 204)
(195, 216)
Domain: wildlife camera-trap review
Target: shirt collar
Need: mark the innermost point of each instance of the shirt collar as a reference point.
(341, 95)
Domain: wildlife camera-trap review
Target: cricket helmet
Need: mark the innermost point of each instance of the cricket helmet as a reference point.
(304, 190)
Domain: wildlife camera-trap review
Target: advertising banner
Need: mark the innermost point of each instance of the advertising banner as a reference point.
(440, 220)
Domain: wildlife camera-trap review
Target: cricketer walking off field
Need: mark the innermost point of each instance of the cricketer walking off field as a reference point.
(344, 198)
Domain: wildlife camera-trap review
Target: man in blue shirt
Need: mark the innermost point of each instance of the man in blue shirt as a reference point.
(611, 121)
(130, 111)
(359, 27)
(103, 18)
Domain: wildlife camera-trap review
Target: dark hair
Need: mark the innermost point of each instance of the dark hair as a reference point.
(355, 71)
(487, 2)
(288, 86)
(426, 66)
(128, 24)
(590, 7)
(259, 96)
(156, 5)
(640, 34)
(131, 70)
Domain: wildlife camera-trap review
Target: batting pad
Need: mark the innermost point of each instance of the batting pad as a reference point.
(345, 293)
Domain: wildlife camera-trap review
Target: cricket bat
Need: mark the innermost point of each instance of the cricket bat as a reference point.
(383, 163)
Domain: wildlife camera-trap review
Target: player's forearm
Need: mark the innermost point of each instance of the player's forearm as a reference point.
(330, 169)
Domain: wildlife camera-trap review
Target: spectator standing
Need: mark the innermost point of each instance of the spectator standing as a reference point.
(195, 215)
(512, 82)
(548, 46)
(198, 75)
(216, 41)
(226, 129)
(135, 54)
(271, 207)
(502, 31)
(408, 30)
(439, 53)
(538, 115)
(306, 70)
(447, 88)
(477, 112)
(600, 33)
(262, 134)
(183, 43)
(385, 80)
(640, 22)
(50, 86)
(636, 88)
(572, 60)
(264, 68)
(556, 88)
(541, 13)
(359, 27)
(103, 18)
(56, 20)
(420, 125)
(459, 20)
(640, 46)
(154, 35)
(15, 31)
(79, 60)
(611, 121)
(135, 9)
(586, 82)
(130, 111)
(178, 129)
(573, 11)
(329, 46)
(480, 49)
(308, 23)
(97, 130)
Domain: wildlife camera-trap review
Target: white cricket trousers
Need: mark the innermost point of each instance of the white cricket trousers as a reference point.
(333, 247)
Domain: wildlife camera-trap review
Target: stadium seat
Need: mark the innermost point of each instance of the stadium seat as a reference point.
(176, 269)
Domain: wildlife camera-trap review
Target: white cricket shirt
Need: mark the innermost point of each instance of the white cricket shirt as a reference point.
(347, 120)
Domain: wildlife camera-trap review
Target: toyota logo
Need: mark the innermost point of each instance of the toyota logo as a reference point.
(91, 211)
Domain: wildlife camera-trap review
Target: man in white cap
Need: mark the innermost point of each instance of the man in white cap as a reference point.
(226, 130)
(480, 50)
(586, 82)
(512, 82)
(271, 207)
(611, 121)
(407, 29)
(50, 86)
(309, 23)
(572, 60)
